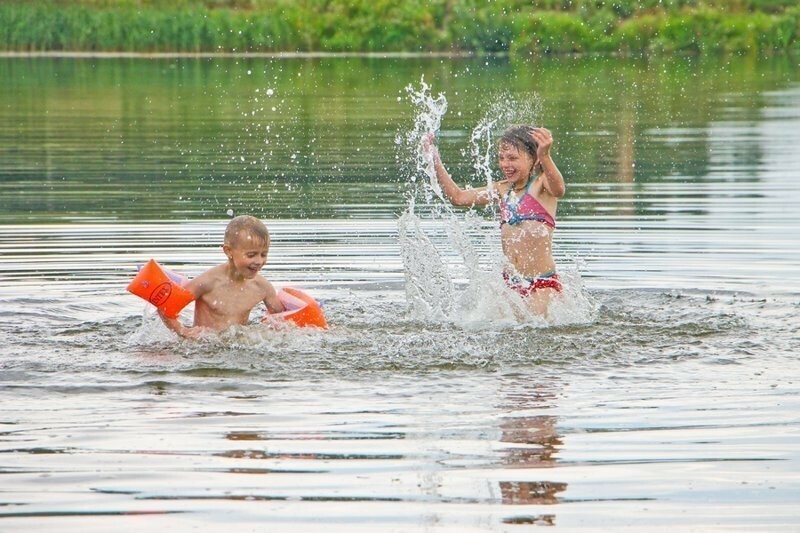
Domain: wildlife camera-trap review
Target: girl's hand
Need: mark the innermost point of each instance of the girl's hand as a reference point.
(544, 140)
(553, 181)
(429, 148)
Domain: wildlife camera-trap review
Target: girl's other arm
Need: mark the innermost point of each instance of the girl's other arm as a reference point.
(553, 180)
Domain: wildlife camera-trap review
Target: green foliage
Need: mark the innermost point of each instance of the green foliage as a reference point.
(519, 27)
(709, 31)
(548, 33)
(374, 25)
(636, 35)
(771, 6)
(479, 26)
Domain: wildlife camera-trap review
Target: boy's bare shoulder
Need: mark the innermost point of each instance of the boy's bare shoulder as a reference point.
(209, 279)
(218, 273)
(264, 285)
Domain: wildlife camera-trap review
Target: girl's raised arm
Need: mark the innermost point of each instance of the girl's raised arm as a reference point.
(454, 193)
(553, 180)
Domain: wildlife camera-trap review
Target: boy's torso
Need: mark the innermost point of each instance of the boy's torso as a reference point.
(226, 302)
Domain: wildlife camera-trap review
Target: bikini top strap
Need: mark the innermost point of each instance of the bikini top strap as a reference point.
(527, 191)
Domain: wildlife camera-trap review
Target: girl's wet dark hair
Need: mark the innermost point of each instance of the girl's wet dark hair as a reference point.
(520, 137)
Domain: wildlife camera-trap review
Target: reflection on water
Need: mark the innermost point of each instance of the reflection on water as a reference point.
(530, 492)
(534, 444)
(537, 432)
(101, 139)
(666, 396)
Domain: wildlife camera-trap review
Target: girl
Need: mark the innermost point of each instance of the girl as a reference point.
(527, 197)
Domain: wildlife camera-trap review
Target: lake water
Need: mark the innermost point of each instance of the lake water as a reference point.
(661, 395)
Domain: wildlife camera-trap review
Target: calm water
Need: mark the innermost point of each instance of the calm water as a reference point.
(662, 395)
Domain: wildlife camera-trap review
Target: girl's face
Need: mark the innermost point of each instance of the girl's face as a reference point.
(515, 164)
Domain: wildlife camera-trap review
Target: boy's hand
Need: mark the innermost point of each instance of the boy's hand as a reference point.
(195, 332)
(187, 333)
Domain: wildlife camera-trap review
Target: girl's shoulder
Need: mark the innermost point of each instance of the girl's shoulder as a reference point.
(501, 186)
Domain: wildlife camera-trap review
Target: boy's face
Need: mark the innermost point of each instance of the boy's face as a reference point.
(247, 255)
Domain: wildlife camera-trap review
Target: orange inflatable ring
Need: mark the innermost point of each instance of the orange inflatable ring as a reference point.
(301, 309)
(162, 288)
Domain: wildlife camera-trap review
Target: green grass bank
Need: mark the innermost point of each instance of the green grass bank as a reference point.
(519, 28)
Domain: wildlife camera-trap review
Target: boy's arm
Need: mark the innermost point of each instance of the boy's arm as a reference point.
(197, 286)
(274, 305)
(175, 325)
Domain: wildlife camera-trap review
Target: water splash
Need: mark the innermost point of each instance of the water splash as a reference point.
(428, 119)
(429, 290)
(459, 279)
(504, 111)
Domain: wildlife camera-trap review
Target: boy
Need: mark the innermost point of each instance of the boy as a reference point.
(225, 294)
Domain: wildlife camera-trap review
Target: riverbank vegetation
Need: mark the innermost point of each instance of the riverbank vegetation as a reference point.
(516, 27)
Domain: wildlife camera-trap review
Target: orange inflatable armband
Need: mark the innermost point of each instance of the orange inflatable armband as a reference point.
(301, 309)
(161, 288)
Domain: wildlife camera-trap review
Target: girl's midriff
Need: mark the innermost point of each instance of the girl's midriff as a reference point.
(528, 246)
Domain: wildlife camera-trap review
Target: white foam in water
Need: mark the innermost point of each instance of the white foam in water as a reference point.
(485, 301)
(276, 336)
(429, 290)
(151, 329)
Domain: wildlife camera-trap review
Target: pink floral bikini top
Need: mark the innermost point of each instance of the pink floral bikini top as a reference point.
(525, 208)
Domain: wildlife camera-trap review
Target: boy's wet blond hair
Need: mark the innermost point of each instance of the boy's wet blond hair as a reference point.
(246, 228)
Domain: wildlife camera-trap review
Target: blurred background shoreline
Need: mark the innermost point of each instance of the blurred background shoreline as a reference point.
(519, 28)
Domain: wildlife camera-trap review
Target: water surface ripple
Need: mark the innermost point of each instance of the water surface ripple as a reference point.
(664, 397)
